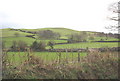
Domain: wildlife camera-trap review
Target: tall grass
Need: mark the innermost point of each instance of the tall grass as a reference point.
(97, 65)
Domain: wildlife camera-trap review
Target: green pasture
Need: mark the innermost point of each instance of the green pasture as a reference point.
(86, 44)
(62, 31)
(9, 40)
(10, 33)
(8, 36)
(104, 39)
(28, 40)
(17, 57)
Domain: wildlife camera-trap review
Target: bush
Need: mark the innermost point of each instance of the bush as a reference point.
(51, 44)
(91, 38)
(14, 46)
(101, 39)
(34, 46)
(94, 66)
(38, 46)
(100, 66)
(18, 46)
(22, 45)
(41, 46)
(16, 34)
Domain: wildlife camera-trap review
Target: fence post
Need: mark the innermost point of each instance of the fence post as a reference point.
(19, 52)
(59, 57)
(66, 55)
(28, 55)
(72, 54)
(78, 56)
(56, 59)
(13, 61)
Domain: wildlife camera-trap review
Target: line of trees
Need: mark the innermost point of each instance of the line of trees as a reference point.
(36, 46)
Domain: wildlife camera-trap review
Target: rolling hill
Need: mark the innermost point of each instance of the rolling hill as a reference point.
(8, 35)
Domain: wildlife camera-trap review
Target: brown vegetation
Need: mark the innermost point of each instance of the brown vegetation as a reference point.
(95, 65)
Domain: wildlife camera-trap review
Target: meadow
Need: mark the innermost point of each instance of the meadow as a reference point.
(87, 45)
(10, 33)
(28, 40)
(18, 57)
(43, 64)
(8, 36)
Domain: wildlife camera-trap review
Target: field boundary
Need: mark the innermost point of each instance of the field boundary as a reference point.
(85, 50)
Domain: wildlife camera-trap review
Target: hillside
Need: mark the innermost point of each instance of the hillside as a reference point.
(8, 35)
(62, 31)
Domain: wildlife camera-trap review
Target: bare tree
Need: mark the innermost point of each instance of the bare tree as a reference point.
(114, 8)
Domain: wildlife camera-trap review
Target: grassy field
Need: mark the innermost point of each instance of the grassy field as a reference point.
(91, 66)
(46, 56)
(9, 40)
(88, 44)
(28, 40)
(105, 39)
(56, 65)
(10, 33)
(8, 36)
(62, 31)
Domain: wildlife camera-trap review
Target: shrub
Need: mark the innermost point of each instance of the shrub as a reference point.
(91, 38)
(38, 46)
(51, 44)
(94, 66)
(18, 46)
(16, 34)
(34, 46)
(101, 39)
(22, 45)
(14, 46)
(41, 46)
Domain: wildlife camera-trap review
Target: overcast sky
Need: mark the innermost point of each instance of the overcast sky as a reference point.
(83, 15)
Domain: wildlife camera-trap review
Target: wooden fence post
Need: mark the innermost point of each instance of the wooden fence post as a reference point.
(13, 61)
(66, 55)
(72, 55)
(28, 55)
(59, 57)
(19, 52)
(78, 56)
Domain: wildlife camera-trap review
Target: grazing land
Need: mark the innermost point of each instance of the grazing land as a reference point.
(26, 54)
(47, 56)
(9, 35)
(87, 44)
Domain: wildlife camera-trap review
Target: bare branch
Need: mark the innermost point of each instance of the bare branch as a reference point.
(114, 7)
